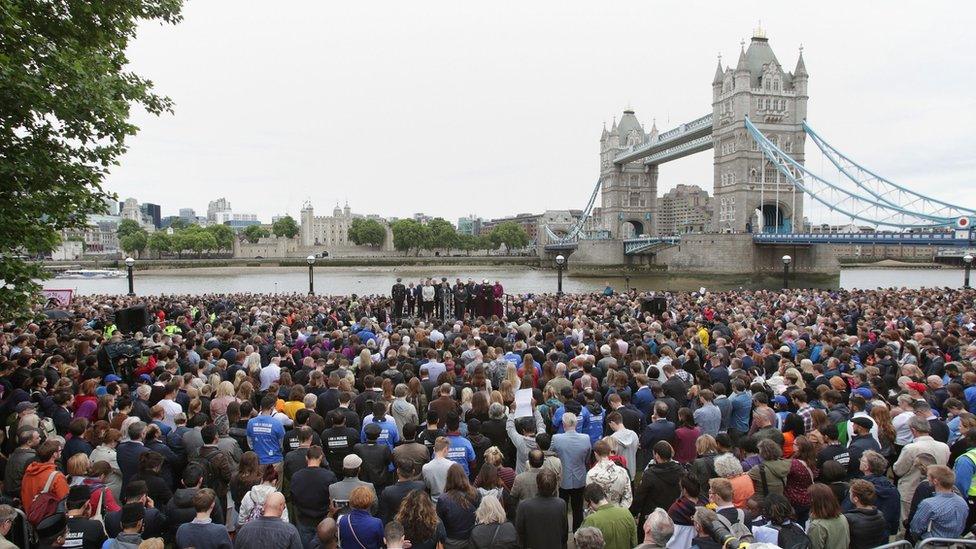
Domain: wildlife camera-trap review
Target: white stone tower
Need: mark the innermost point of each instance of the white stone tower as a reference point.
(776, 102)
(628, 193)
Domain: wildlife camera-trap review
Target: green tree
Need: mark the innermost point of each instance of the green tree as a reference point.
(178, 224)
(134, 243)
(286, 227)
(253, 233)
(160, 243)
(127, 227)
(468, 242)
(223, 235)
(441, 234)
(179, 242)
(67, 93)
(201, 241)
(511, 235)
(408, 234)
(367, 232)
(486, 243)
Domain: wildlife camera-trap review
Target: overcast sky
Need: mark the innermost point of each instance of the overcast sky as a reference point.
(495, 108)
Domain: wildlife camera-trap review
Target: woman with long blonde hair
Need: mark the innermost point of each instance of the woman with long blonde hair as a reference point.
(225, 395)
(363, 362)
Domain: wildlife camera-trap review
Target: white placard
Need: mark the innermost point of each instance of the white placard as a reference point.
(523, 403)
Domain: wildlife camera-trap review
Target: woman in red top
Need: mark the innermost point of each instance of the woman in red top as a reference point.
(803, 471)
(86, 393)
(685, 436)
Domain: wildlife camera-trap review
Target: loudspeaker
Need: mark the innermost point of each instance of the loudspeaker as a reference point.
(132, 319)
(655, 306)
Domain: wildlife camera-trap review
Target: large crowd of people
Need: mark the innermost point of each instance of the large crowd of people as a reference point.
(821, 419)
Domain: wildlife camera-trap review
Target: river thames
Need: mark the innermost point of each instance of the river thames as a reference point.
(370, 280)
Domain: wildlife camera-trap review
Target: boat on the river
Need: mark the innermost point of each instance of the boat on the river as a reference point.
(89, 274)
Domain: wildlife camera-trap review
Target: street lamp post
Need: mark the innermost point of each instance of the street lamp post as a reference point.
(560, 264)
(311, 286)
(129, 263)
(786, 271)
(968, 262)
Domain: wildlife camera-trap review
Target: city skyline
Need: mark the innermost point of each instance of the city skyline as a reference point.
(519, 113)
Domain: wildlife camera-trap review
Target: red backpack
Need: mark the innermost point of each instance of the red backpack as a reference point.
(44, 504)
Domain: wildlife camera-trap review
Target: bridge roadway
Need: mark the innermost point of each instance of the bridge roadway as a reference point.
(686, 139)
(644, 245)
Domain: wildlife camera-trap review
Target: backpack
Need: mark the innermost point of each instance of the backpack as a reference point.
(44, 504)
(47, 428)
(257, 510)
(738, 528)
(791, 536)
(205, 464)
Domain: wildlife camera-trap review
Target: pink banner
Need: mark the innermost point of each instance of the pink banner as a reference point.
(57, 298)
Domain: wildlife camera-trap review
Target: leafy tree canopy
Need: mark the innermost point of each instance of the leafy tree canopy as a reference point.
(409, 234)
(253, 233)
(441, 234)
(66, 94)
(367, 232)
(511, 235)
(286, 227)
(223, 235)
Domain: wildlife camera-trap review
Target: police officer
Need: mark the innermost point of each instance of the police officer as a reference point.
(398, 293)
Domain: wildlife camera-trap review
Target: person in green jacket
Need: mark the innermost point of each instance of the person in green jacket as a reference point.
(615, 522)
(828, 528)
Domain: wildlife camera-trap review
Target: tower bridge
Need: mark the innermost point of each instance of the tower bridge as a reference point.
(758, 132)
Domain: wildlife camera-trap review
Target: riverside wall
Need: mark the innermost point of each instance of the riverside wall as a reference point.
(707, 254)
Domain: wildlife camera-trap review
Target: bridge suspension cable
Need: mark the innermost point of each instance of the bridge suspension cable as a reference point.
(850, 204)
(575, 231)
(882, 189)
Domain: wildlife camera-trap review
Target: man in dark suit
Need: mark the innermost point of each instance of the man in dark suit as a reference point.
(719, 372)
(127, 453)
(674, 387)
(632, 418)
(658, 428)
(398, 293)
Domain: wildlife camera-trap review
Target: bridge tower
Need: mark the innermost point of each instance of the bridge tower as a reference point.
(750, 194)
(628, 192)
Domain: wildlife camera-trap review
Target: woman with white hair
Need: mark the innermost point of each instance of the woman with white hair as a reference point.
(728, 466)
(491, 528)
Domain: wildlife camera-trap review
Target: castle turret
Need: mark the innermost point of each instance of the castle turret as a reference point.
(800, 78)
(718, 79)
(742, 70)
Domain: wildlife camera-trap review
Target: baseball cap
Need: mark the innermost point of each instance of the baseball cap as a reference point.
(352, 461)
(112, 378)
(780, 399)
(916, 386)
(864, 392)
